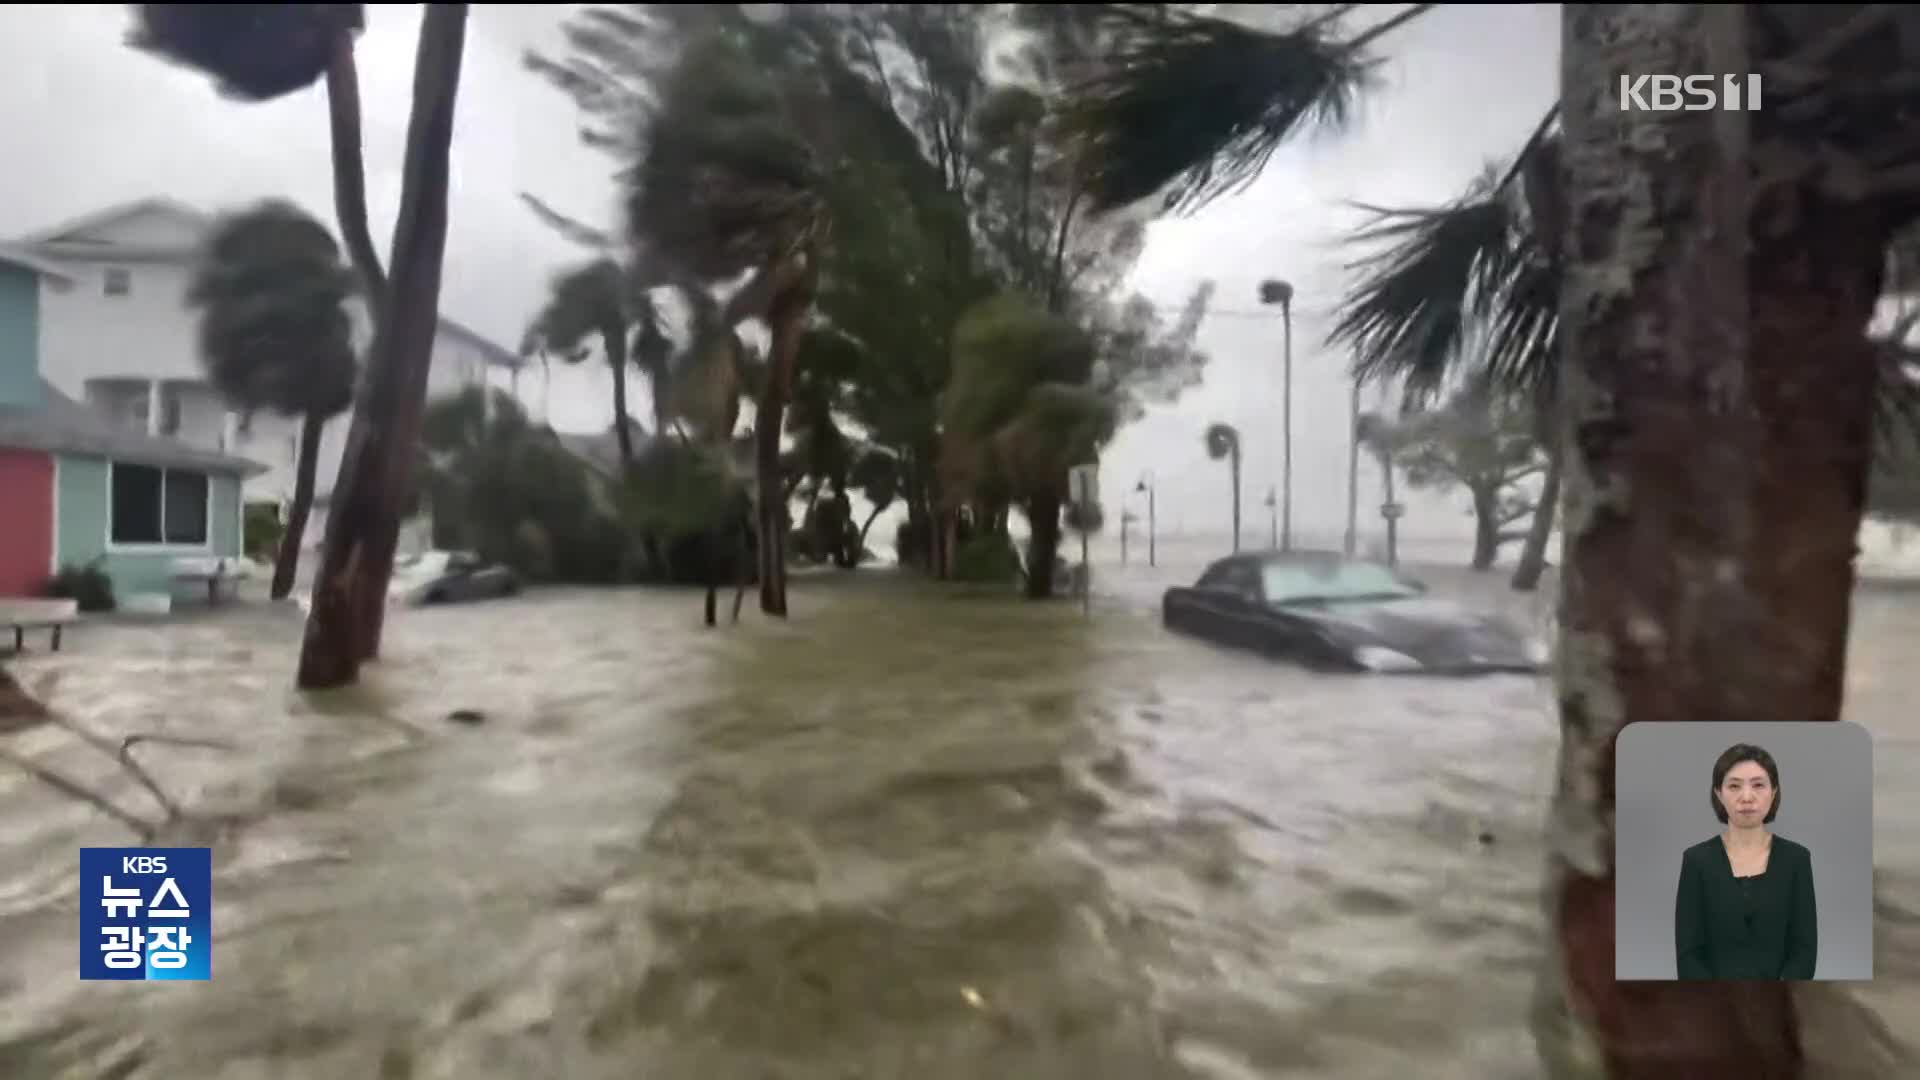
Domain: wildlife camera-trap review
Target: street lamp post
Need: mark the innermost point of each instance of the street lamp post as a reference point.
(1143, 485)
(1273, 519)
(1275, 292)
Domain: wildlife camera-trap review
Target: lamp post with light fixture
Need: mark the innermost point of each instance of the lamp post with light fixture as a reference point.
(1145, 486)
(1277, 293)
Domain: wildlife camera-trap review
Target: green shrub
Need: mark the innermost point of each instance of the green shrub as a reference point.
(262, 530)
(911, 542)
(988, 559)
(87, 584)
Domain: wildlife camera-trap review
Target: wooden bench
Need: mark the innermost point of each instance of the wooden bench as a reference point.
(21, 616)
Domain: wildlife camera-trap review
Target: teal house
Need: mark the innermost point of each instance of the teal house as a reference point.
(79, 489)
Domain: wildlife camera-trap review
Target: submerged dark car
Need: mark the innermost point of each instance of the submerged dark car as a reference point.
(1341, 614)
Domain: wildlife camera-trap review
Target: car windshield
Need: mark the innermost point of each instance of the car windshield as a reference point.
(427, 562)
(1296, 583)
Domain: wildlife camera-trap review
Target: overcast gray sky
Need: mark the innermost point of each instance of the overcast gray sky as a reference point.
(87, 122)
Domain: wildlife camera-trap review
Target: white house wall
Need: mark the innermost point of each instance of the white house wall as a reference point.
(150, 333)
(85, 334)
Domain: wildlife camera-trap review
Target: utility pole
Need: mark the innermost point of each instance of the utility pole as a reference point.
(1276, 292)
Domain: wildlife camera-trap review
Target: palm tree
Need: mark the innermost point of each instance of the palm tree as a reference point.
(1223, 441)
(727, 185)
(1703, 440)
(600, 300)
(1466, 293)
(1019, 411)
(275, 335)
(877, 474)
(257, 52)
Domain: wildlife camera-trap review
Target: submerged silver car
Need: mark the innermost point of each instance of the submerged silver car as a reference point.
(447, 577)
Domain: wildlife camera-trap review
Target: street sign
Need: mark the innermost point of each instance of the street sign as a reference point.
(1393, 510)
(1083, 484)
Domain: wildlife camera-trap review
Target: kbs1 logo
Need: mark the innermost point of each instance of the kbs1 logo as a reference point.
(146, 913)
(1689, 93)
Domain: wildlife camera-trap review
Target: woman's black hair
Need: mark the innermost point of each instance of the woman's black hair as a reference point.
(1734, 755)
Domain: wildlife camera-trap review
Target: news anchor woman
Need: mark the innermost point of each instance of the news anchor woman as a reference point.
(1745, 909)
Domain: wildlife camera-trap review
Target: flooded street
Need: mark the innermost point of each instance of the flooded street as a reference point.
(912, 832)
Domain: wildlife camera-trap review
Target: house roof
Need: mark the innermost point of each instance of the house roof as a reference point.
(67, 234)
(72, 227)
(13, 256)
(59, 425)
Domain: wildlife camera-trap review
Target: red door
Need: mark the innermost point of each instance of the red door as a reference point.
(26, 508)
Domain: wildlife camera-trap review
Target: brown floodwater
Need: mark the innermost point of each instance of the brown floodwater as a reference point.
(911, 832)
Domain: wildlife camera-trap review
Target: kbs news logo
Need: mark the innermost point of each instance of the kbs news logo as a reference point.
(1690, 93)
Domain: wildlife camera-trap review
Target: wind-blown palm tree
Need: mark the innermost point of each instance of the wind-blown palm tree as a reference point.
(1223, 442)
(1470, 290)
(1467, 292)
(257, 52)
(727, 184)
(600, 300)
(1020, 410)
(275, 335)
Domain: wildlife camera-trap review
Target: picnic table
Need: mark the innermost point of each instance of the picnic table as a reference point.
(21, 616)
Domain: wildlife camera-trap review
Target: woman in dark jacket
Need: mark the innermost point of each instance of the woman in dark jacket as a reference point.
(1745, 907)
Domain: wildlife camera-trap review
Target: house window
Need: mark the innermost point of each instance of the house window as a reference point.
(119, 281)
(169, 411)
(157, 506)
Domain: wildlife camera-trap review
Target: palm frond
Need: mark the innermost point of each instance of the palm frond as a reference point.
(1196, 105)
(1221, 440)
(726, 181)
(1411, 307)
(253, 52)
(274, 332)
(584, 302)
(571, 228)
(1470, 275)
(1896, 400)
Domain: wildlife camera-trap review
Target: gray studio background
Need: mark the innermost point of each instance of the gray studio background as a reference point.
(1663, 778)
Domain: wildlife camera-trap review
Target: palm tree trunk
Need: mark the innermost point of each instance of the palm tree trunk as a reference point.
(1486, 528)
(349, 173)
(1718, 396)
(860, 544)
(350, 207)
(1043, 515)
(615, 344)
(287, 563)
(376, 470)
(1533, 554)
(786, 316)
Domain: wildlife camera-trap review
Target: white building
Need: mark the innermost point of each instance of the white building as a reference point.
(119, 337)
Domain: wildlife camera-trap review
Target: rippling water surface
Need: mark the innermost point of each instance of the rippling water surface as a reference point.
(912, 832)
